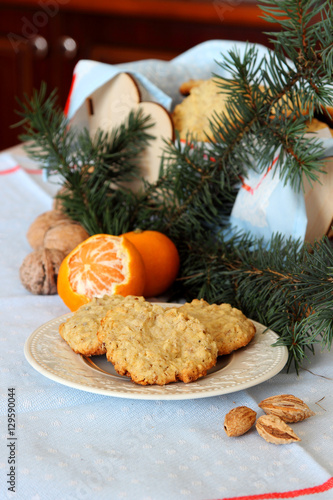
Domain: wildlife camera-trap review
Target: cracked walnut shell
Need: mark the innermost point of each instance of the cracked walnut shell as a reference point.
(274, 430)
(39, 271)
(287, 407)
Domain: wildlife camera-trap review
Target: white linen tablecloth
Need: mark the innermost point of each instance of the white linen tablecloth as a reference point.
(73, 445)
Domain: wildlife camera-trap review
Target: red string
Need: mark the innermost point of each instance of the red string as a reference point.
(321, 488)
(250, 189)
(11, 170)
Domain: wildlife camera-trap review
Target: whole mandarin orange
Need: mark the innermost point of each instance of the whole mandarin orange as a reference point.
(160, 257)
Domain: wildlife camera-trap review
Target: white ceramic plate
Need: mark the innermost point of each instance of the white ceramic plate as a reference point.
(50, 355)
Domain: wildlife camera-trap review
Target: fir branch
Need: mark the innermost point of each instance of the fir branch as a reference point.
(47, 138)
(93, 170)
(285, 285)
(268, 107)
(191, 196)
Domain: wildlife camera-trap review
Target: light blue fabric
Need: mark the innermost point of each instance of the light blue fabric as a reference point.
(160, 79)
(264, 205)
(76, 445)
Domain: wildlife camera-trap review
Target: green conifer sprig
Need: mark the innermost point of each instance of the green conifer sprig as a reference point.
(270, 103)
(285, 285)
(93, 170)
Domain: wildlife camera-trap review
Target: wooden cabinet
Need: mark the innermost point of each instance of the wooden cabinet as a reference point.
(15, 79)
(42, 40)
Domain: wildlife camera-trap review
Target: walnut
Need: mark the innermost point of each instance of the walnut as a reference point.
(57, 201)
(65, 236)
(39, 271)
(41, 224)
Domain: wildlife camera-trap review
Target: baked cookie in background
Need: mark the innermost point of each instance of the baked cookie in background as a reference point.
(315, 126)
(193, 115)
(186, 87)
(205, 100)
(228, 326)
(80, 330)
(156, 346)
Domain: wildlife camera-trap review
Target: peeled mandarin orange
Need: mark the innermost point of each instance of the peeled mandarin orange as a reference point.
(160, 257)
(101, 265)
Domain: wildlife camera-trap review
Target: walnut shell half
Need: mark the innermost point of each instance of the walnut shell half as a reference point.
(39, 271)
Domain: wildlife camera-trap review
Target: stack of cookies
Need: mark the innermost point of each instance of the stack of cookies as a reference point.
(156, 345)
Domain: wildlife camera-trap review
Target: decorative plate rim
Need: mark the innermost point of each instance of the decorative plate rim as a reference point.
(51, 356)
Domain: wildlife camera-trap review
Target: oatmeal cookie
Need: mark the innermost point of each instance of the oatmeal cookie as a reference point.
(193, 115)
(156, 346)
(186, 87)
(315, 125)
(80, 330)
(228, 326)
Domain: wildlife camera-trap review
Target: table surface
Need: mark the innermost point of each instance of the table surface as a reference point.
(71, 444)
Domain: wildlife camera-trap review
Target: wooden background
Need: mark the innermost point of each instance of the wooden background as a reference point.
(42, 40)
